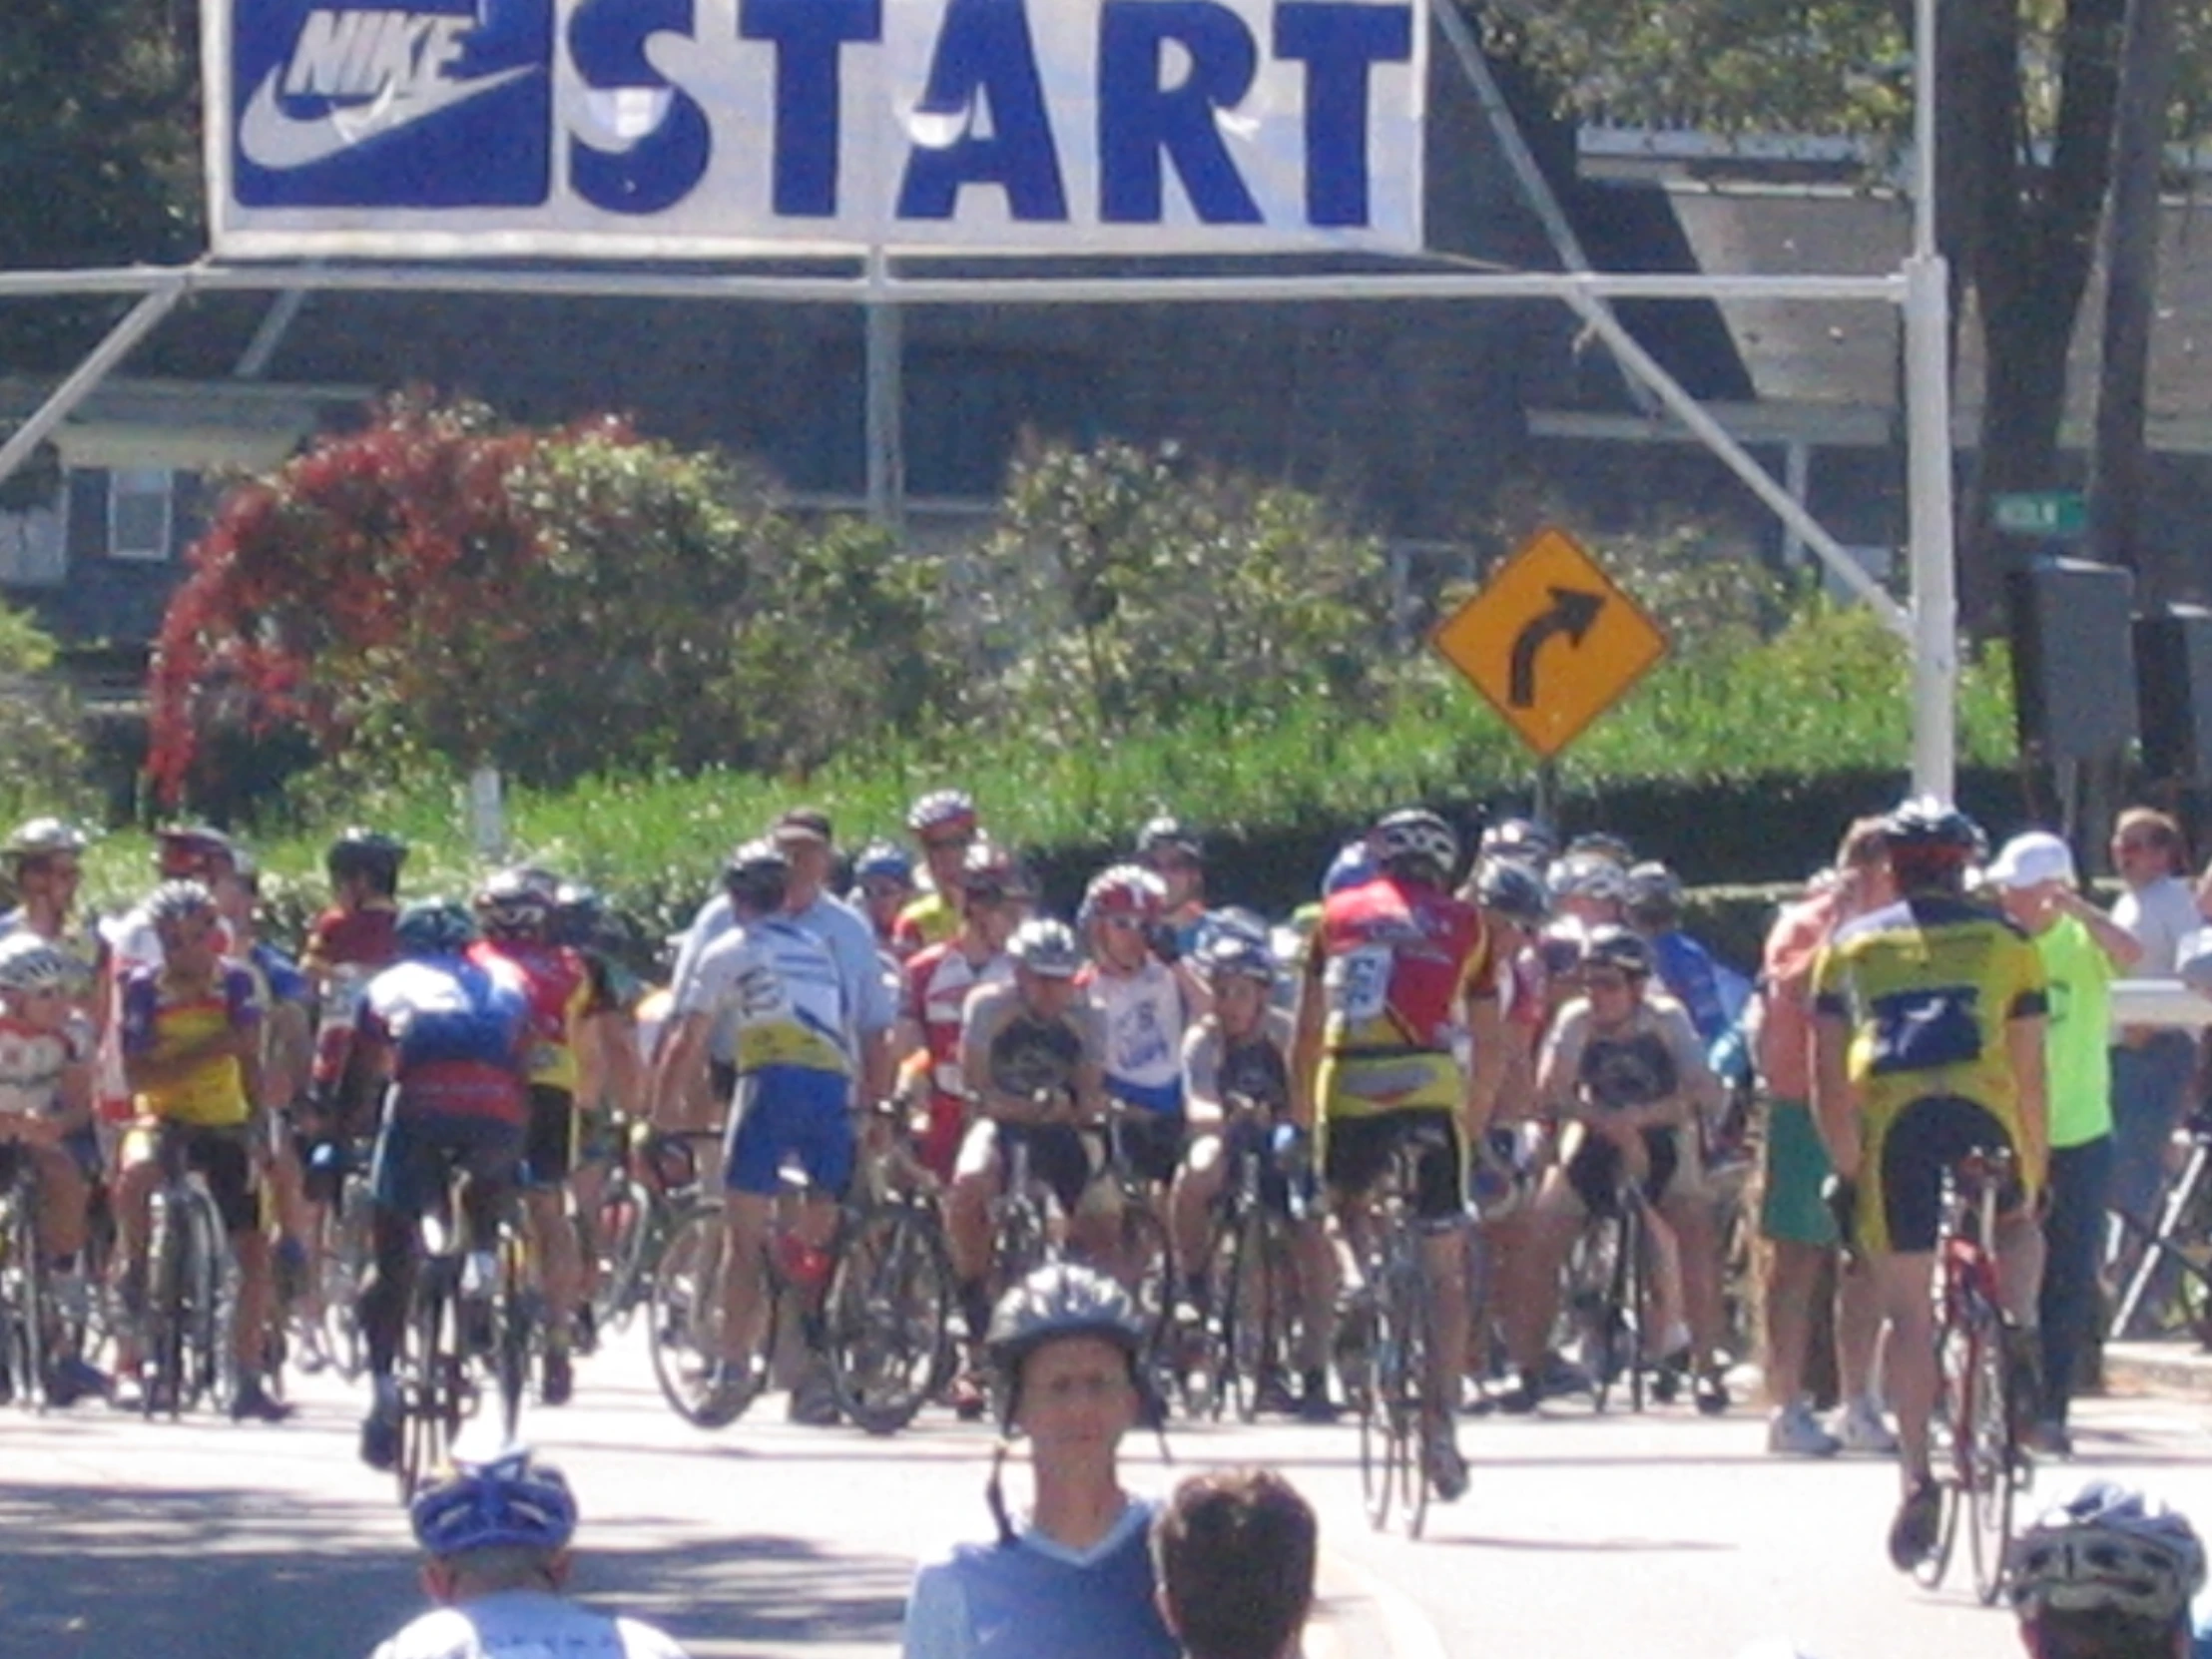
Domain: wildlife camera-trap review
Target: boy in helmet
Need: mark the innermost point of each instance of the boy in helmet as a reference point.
(2108, 1575)
(943, 826)
(1075, 1582)
(495, 1543)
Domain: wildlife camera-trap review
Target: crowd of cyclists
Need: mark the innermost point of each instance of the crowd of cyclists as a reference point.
(1525, 1038)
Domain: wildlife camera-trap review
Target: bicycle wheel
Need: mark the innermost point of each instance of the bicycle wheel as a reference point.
(515, 1327)
(430, 1379)
(686, 1335)
(211, 1278)
(1244, 1318)
(1631, 1288)
(1378, 1456)
(1591, 1307)
(340, 1266)
(1994, 1468)
(23, 1309)
(165, 1309)
(1406, 1319)
(886, 1314)
(622, 1230)
(1948, 1441)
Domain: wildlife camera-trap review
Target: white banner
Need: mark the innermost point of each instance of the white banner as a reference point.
(696, 129)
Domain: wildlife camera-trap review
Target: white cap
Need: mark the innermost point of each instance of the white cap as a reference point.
(2030, 859)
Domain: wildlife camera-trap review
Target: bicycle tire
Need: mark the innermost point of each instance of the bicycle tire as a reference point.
(1995, 1467)
(1378, 1465)
(622, 1228)
(884, 1318)
(1954, 1387)
(1629, 1319)
(1408, 1314)
(1590, 1303)
(164, 1363)
(23, 1305)
(516, 1328)
(687, 1317)
(340, 1266)
(215, 1375)
(428, 1375)
(1246, 1318)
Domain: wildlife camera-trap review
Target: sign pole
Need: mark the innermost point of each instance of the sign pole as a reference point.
(1928, 447)
(1546, 804)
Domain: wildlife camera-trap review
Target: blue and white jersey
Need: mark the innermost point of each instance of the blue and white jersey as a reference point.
(434, 1011)
(1143, 1015)
(1037, 1599)
(783, 990)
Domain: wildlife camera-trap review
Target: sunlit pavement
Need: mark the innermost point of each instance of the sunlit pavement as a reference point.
(1661, 1537)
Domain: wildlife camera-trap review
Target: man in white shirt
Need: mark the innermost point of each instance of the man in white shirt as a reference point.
(2151, 1067)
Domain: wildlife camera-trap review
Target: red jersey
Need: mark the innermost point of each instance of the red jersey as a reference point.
(559, 991)
(367, 937)
(934, 992)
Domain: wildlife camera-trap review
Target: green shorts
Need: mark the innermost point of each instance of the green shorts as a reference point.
(1792, 1209)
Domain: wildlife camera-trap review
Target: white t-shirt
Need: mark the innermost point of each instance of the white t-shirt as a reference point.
(2161, 915)
(526, 1625)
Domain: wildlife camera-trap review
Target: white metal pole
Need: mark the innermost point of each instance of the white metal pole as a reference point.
(139, 322)
(886, 398)
(1928, 449)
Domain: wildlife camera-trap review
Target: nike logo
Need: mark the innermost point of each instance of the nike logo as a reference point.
(404, 93)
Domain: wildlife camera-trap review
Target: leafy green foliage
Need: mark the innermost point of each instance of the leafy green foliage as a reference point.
(1125, 588)
(42, 754)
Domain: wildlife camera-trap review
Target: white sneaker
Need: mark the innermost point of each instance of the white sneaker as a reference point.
(1860, 1428)
(1792, 1431)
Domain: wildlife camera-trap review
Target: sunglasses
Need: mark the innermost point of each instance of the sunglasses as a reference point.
(1605, 982)
(946, 844)
(1122, 924)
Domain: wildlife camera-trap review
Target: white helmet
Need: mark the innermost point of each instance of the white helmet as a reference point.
(30, 963)
(2109, 1550)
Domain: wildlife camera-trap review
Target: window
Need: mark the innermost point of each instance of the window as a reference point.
(139, 512)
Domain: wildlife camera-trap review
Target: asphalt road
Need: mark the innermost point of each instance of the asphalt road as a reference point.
(1661, 1537)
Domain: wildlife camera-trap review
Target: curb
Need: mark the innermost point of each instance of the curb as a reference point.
(2178, 1368)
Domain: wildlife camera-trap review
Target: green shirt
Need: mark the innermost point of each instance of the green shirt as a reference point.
(2080, 976)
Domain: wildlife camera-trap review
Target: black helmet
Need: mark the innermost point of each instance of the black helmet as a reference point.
(435, 927)
(1060, 1299)
(1924, 825)
(1519, 838)
(1165, 834)
(1514, 890)
(1653, 893)
(1618, 948)
(370, 853)
(578, 914)
(1416, 837)
(758, 877)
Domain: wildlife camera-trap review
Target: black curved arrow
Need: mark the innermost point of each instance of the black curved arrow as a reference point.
(1572, 611)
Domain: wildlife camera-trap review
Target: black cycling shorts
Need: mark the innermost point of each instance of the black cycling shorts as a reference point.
(417, 1155)
(224, 1161)
(1152, 1142)
(549, 1143)
(1057, 1157)
(1920, 1144)
(1356, 1151)
(1594, 1172)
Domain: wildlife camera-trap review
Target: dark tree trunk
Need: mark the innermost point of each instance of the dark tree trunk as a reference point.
(2119, 469)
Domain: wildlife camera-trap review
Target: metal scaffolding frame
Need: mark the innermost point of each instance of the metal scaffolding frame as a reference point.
(875, 282)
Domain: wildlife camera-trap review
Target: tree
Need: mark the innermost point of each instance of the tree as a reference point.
(1125, 589)
(99, 152)
(554, 603)
(2030, 100)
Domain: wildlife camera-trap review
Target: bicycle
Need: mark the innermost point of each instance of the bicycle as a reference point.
(1143, 1258)
(341, 1255)
(884, 1289)
(188, 1295)
(449, 1322)
(2168, 1279)
(1609, 1295)
(1390, 1380)
(1251, 1295)
(26, 1304)
(1980, 1466)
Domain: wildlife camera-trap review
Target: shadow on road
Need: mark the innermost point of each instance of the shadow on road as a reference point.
(92, 1575)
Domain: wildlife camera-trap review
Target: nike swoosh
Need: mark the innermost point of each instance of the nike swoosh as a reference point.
(268, 137)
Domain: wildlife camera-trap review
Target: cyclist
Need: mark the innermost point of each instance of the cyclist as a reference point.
(359, 925)
(1176, 853)
(943, 826)
(1651, 902)
(2109, 1575)
(46, 1121)
(2083, 950)
(190, 1033)
(935, 984)
(1076, 1582)
(495, 1542)
(795, 1077)
(288, 1046)
(1521, 840)
(882, 887)
(1144, 1005)
(1588, 887)
(514, 913)
(1623, 1069)
(1929, 1035)
(1032, 1058)
(1237, 1087)
(448, 1036)
(1395, 967)
(42, 861)
(1793, 1216)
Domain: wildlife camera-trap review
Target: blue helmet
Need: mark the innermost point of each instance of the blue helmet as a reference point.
(435, 927)
(510, 1502)
(881, 860)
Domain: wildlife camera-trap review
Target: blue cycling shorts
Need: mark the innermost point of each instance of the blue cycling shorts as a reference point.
(789, 1112)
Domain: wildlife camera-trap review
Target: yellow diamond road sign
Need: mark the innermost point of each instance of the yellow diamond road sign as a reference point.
(1551, 641)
